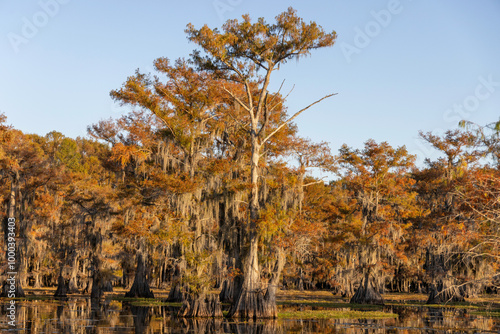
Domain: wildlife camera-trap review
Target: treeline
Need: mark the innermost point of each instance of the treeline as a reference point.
(206, 185)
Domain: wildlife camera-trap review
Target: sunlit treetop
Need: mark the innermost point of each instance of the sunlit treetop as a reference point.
(245, 47)
(375, 159)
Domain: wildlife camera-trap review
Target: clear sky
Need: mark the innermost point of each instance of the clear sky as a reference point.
(398, 66)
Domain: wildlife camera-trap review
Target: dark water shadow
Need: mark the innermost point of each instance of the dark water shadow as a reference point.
(142, 318)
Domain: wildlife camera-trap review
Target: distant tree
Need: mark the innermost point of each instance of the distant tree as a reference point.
(181, 122)
(444, 235)
(187, 103)
(31, 199)
(377, 178)
(487, 139)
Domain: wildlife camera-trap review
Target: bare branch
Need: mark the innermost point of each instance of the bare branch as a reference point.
(263, 91)
(266, 116)
(250, 101)
(294, 116)
(315, 182)
(290, 92)
(236, 99)
(281, 86)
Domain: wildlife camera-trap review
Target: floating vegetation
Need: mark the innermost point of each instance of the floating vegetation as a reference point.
(336, 314)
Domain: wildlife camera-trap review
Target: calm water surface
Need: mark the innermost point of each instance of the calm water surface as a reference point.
(80, 315)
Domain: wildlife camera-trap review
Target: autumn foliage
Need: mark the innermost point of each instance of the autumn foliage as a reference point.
(206, 184)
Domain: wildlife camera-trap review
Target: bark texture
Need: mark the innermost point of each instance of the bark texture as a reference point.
(227, 293)
(62, 287)
(443, 292)
(201, 306)
(140, 288)
(366, 293)
(178, 293)
(252, 302)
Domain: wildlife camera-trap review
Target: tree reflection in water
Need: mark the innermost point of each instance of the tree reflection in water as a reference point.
(142, 317)
(81, 315)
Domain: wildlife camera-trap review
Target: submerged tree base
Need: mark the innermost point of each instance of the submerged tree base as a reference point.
(201, 306)
(443, 293)
(253, 304)
(140, 291)
(178, 293)
(227, 291)
(140, 288)
(366, 294)
(62, 287)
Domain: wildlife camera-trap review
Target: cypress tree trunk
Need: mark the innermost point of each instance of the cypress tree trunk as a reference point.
(227, 293)
(177, 293)
(73, 280)
(201, 306)
(178, 290)
(250, 301)
(444, 292)
(36, 274)
(62, 286)
(366, 293)
(140, 288)
(443, 288)
(231, 286)
(96, 290)
(37, 283)
(12, 281)
(270, 297)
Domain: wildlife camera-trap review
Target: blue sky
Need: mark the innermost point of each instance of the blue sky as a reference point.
(398, 66)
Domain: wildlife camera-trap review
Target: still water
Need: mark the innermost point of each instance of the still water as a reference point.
(80, 315)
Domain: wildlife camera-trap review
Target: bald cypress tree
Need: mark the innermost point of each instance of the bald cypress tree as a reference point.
(248, 53)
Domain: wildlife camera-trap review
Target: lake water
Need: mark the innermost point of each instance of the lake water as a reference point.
(80, 315)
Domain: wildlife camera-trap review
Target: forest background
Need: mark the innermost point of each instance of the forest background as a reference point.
(207, 181)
